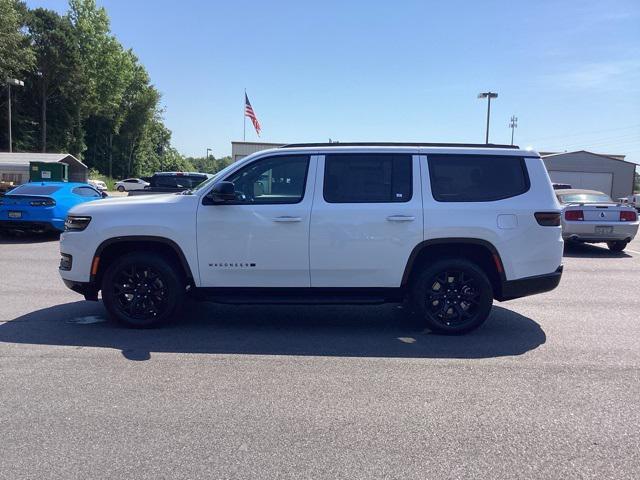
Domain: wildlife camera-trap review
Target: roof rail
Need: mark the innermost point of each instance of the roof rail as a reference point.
(398, 144)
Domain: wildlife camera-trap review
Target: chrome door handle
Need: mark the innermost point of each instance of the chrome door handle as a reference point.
(401, 218)
(287, 219)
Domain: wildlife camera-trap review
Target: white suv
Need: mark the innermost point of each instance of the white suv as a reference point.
(447, 228)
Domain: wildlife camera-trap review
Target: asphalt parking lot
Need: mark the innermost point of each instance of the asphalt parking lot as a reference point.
(548, 388)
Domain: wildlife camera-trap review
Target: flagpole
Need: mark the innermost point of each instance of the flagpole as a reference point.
(244, 117)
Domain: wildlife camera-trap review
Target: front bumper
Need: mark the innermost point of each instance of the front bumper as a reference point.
(88, 290)
(524, 287)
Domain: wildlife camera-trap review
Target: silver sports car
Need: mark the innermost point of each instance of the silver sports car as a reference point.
(592, 217)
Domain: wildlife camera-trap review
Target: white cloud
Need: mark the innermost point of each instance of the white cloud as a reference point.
(598, 76)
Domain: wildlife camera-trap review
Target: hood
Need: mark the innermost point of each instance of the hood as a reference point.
(122, 205)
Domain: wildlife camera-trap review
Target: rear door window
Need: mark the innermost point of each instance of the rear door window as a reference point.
(476, 178)
(367, 178)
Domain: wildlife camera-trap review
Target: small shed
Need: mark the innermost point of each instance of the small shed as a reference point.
(610, 174)
(14, 167)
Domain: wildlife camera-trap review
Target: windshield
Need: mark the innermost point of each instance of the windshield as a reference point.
(31, 189)
(585, 198)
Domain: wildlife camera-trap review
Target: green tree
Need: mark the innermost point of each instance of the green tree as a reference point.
(16, 57)
(15, 54)
(57, 73)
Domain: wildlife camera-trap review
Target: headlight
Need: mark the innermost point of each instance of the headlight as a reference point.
(76, 224)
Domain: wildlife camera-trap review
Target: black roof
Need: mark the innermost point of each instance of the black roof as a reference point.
(398, 144)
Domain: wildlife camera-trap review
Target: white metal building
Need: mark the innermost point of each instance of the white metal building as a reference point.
(14, 167)
(610, 174)
(242, 149)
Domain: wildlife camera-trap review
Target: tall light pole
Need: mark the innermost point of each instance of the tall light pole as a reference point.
(207, 155)
(16, 83)
(513, 124)
(488, 96)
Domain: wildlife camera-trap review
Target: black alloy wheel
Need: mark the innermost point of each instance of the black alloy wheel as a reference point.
(453, 296)
(142, 290)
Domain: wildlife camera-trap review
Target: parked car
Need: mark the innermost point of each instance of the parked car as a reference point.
(633, 200)
(590, 216)
(129, 184)
(173, 182)
(98, 185)
(447, 229)
(43, 206)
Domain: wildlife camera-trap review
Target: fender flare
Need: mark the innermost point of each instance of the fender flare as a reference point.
(147, 238)
(449, 240)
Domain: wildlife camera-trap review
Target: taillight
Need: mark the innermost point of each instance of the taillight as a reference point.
(548, 219)
(628, 216)
(574, 215)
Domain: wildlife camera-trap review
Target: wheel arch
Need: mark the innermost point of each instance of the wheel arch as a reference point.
(111, 248)
(481, 252)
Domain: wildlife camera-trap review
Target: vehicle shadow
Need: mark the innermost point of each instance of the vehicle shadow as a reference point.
(588, 250)
(19, 237)
(377, 331)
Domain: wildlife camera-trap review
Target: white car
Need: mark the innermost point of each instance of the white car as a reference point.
(446, 228)
(129, 184)
(98, 184)
(590, 216)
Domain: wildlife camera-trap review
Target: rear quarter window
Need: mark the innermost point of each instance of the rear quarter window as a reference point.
(477, 178)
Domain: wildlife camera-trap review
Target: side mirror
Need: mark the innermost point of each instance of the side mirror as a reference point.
(222, 192)
(104, 194)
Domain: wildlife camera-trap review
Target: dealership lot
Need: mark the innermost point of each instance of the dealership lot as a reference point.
(548, 388)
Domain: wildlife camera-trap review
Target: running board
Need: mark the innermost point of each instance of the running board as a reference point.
(299, 296)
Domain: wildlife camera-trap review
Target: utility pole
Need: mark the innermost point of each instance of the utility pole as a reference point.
(207, 154)
(488, 96)
(513, 124)
(111, 155)
(17, 83)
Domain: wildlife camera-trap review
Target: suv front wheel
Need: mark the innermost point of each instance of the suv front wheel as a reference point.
(142, 290)
(452, 296)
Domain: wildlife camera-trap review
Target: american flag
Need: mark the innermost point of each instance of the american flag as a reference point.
(248, 112)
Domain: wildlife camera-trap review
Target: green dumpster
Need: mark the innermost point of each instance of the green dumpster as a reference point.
(48, 172)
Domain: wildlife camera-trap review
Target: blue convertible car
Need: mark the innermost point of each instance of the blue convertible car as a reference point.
(42, 206)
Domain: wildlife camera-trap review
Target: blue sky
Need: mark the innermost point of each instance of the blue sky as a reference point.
(394, 71)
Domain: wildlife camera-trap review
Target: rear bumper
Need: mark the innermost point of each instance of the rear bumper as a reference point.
(29, 225)
(524, 287)
(585, 232)
(88, 290)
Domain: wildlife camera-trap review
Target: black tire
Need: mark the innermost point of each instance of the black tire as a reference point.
(452, 296)
(120, 188)
(142, 290)
(617, 246)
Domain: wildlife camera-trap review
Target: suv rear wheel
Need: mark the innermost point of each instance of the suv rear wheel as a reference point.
(452, 296)
(142, 290)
